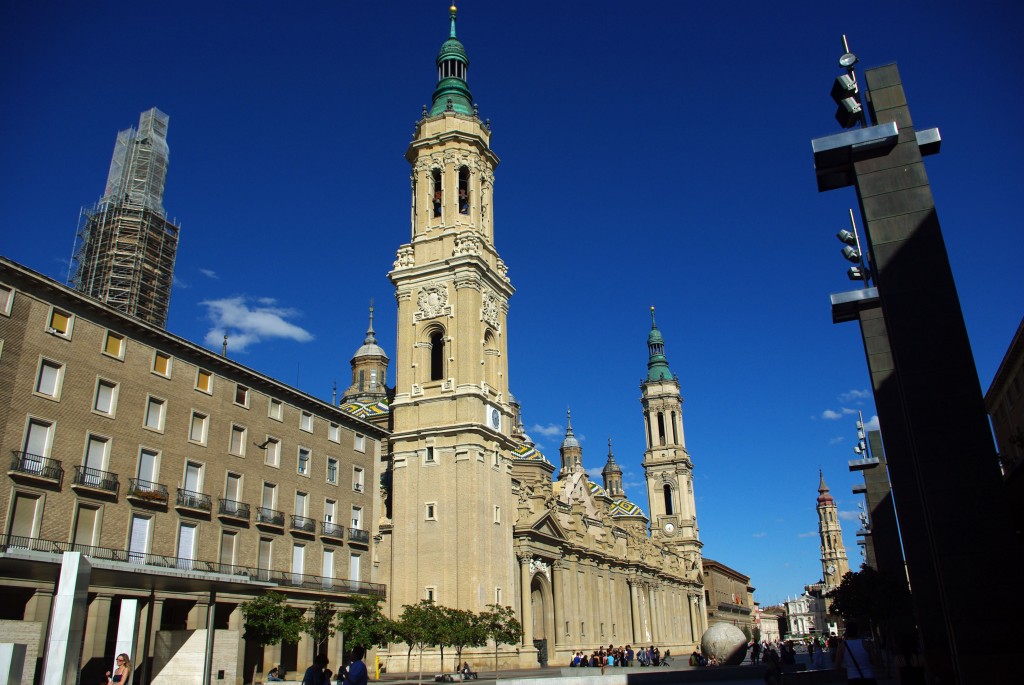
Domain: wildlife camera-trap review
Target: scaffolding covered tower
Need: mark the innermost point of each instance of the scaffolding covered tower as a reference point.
(125, 246)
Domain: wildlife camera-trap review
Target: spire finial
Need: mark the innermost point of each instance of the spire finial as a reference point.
(371, 338)
(653, 325)
(452, 11)
(568, 420)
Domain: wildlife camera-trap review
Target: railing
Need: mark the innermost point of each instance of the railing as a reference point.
(145, 490)
(229, 507)
(94, 478)
(358, 535)
(34, 465)
(303, 523)
(12, 543)
(332, 530)
(194, 500)
(271, 517)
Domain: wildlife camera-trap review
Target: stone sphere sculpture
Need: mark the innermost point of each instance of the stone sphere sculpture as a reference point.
(725, 642)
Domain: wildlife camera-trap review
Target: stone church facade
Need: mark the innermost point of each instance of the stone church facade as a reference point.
(469, 512)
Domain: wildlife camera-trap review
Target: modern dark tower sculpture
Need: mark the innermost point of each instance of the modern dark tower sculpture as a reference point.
(125, 246)
(945, 477)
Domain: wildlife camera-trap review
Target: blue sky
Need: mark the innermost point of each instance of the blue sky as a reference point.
(652, 154)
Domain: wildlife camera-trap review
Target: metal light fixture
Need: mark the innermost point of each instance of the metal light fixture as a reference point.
(853, 252)
(846, 92)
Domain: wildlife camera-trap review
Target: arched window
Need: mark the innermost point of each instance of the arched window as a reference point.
(668, 499)
(647, 424)
(463, 190)
(438, 190)
(437, 355)
(661, 428)
(362, 378)
(675, 431)
(490, 360)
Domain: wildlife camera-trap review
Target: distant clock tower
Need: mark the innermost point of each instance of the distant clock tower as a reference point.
(833, 554)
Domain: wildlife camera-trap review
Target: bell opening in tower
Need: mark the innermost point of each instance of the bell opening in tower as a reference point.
(436, 355)
(463, 190)
(436, 175)
(668, 499)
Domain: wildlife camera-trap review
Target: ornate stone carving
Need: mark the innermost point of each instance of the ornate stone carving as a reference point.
(405, 257)
(466, 243)
(467, 279)
(502, 269)
(540, 566)
(489, 311)
(432, 302)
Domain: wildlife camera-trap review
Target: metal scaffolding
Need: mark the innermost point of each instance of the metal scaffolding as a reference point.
(125, 246)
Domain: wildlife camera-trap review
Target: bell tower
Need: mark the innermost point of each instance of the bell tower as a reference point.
(667, 464)
(833, 554)
(451, 446)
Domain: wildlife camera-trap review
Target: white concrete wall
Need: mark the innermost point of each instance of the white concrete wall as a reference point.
(178, 657)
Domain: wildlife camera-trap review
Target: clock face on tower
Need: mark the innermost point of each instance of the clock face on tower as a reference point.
(494, 418)
(669, 528)
(831, 568)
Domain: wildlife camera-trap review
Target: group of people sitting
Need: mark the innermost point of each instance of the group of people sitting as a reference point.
(620, 656)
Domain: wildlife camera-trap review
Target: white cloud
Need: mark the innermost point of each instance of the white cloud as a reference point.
(246, 324)
(595, 475)
(209, 273)
(179, 282)
(807, 535)
(854, 396)
(760, 535)
(831, 415)
(848, 515)
(836, 440)
(549, 431)
(872, 424)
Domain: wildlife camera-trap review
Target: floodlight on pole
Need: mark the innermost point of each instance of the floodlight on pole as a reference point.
(853, 252)
(846, 92)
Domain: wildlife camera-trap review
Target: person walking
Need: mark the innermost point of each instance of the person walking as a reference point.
(356, 673)
(318, 673)
(856, 656)
(122, 673)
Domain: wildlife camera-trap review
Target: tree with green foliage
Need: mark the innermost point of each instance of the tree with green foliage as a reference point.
(501, 625)
(418, 627)
(363, 624)
(463, 629)
(871, 598)
(319, 624)
(270, 621)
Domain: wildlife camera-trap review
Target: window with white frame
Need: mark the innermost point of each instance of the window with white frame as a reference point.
(269, 496)
(276, 411)
(360, 443)
(138, 538)
(6, 300)
(154, 419)
(430, 593)
(301, 500)
(197, 429)
(148, 467)
(97, 453)
(227, 549)
(357, 478)
(497, 596)
(303, 463)
(162, 364)
(329, 508)
(334, 432)
(204, 381)
(357, 518)
(113, 345)
(306, 422)
(497, 514)
(273, 447)
(38, 440)
(430, 511)
(332, 470)
(242, 396)
(237, 443)
(60, 323)
(429, 456)
(50, 379)
(86, 525)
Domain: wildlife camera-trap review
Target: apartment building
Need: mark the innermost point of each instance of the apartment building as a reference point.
(189, 481)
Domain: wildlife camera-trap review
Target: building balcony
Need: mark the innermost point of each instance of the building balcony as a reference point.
(862, 464)
(144, 562)
(35, 467)
(358, 536)
(194, 501)
(332, 530)
(229, 508)
(269, 518)
(146, 492)
(85, 479)
(303, 524)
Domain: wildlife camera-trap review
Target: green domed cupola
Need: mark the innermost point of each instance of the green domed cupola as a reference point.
(657, 364)
(452, 92)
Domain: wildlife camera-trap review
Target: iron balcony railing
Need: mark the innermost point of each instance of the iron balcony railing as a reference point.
(94, 478)
(13, 543)
(147, 491)
(229, 507)
(303, 523)
(271, 517)
(332, 530)
(194, 500)
(357, 535)
(34, 465)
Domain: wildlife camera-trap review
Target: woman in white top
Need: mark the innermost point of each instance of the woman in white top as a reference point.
(855, 656)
